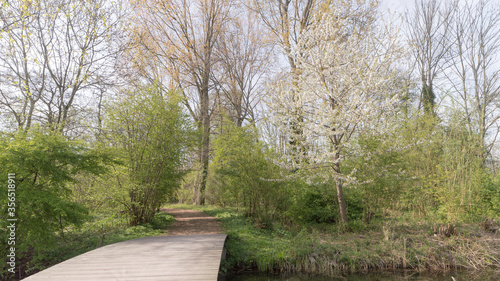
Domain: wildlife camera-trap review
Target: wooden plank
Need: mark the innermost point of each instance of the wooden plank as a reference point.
(188, 257)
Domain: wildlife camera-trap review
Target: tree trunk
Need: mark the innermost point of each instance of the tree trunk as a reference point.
(340, 196)
(340, 192)
(205, 144)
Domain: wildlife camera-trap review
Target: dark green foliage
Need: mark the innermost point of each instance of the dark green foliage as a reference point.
(491, 198)
(317, 207)
(357, 205)
(314, 204)
(317, 203)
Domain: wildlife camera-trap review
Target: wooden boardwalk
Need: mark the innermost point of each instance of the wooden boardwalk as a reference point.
(162, 258)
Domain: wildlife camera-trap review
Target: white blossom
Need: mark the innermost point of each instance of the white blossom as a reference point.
(346, 84)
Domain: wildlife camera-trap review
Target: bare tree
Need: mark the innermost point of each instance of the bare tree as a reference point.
(17, 97)
(286, 20)
(474, 74)
(56, 52)
(428, 33)
(245, 57)
(182, 36)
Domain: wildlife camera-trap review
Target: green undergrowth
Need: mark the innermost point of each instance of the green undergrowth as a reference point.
(330, 249)
(103, 230)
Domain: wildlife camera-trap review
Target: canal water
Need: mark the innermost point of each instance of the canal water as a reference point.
(374, 276)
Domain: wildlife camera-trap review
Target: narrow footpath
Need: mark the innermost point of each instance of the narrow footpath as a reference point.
(191, 222)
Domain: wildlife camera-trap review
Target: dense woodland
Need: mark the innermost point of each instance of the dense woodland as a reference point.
(293, 111)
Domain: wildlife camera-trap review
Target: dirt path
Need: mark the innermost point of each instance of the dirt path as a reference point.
(191, 222)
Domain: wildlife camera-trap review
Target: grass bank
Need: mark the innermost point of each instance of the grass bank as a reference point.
(330, 250)
(103, 230)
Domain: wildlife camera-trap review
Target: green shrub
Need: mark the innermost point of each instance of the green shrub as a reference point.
(314, 204)
(354, 202)
(243, 174)
(44, 164)
(141, 231)
(153, 135)
(162, 220)
(491, 198)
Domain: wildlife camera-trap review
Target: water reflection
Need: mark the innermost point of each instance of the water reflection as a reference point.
(373, 276)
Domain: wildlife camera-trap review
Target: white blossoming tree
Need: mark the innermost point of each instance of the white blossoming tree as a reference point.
(346, 85)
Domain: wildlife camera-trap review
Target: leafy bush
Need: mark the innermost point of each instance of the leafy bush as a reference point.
(315, 204)
(355, 206)
(152, 135)
(44, 164)
(162, 220)
(243, 174)
(491, 198)
(140, 230)
(137, 231)
(190, 182)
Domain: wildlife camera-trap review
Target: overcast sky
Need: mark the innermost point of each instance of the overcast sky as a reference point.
(396, 5)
